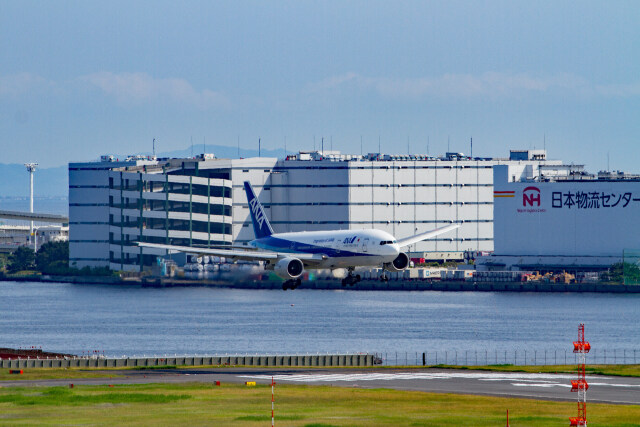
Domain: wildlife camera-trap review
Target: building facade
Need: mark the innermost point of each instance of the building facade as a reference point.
(569, 221)
(201, 201)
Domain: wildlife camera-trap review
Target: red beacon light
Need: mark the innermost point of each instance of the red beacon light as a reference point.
(581, 347)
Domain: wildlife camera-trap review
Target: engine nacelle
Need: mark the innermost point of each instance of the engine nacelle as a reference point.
(400, 263)
(289, 268)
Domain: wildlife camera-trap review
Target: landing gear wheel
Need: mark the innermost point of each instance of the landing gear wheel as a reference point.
(351, 279)
(291, 284)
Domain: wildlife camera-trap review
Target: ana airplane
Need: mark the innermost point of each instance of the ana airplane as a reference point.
(288, 254)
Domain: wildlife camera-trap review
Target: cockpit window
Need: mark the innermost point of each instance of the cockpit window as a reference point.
(387, 242)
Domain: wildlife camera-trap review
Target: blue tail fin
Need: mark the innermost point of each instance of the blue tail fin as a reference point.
(261, 226)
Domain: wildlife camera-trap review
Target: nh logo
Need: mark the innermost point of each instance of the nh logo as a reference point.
(531, 195)
(257, 212)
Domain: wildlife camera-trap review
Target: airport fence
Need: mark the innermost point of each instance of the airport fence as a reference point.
(508, 357)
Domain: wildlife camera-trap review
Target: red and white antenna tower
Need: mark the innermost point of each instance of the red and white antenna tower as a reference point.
(581, 348)
(273, 383)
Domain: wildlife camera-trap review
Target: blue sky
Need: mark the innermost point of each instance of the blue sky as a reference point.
(81, 78)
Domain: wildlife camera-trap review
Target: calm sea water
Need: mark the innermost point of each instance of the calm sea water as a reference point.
(133, 321)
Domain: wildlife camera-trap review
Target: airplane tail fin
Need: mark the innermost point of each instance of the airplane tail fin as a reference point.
(261, 226)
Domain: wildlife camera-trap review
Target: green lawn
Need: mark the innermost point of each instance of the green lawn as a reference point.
(238, 405)
(54, 374)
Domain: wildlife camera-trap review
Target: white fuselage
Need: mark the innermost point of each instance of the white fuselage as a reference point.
(342, 248)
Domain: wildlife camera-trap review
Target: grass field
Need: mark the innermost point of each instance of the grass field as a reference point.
(296, 405)
(54, 374)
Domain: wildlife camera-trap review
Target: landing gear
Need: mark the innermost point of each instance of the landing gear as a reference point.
(291, 284)
(351, 279)
(384, 277)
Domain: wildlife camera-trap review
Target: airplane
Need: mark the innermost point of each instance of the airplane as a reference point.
(289, 254)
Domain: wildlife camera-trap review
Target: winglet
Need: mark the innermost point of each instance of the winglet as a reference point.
(261, 226)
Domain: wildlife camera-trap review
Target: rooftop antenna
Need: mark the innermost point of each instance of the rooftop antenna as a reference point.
(322, 151)
(472, 147)
(31, 168)
(154, 147)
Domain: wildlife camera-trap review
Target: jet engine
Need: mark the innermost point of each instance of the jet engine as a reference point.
(400, 263)
(289, 268)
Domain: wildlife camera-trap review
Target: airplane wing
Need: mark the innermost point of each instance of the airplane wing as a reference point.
(235, 254)
(424, 236)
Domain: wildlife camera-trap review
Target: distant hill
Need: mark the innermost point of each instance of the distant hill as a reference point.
(54, 182)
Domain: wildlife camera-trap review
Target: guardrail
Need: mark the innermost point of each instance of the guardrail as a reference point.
(508, 357)
(236, 360)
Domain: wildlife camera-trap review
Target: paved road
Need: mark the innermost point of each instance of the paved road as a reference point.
(618, 390)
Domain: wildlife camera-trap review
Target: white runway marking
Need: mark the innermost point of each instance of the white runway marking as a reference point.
(516, 379)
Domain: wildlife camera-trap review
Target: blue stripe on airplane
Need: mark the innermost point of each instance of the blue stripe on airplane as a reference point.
(277, 244)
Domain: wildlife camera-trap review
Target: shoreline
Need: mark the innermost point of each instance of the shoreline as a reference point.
(364, 285)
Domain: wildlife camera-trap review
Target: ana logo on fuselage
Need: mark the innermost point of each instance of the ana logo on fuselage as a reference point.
(257, 212)
(349, 240)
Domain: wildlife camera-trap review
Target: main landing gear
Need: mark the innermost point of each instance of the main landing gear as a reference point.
(384, 277)
(351, 279)
(291, 284)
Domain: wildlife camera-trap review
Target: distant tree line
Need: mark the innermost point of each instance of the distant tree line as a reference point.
(622, 272)
(52, 258)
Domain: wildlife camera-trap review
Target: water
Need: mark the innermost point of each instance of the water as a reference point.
(134, 321)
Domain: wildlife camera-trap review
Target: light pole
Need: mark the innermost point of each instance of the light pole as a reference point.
(31, 168)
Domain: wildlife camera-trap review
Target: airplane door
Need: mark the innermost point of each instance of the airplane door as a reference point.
(365, 244)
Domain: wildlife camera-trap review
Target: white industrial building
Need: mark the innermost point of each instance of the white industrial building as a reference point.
(563, 219)
(200, 201)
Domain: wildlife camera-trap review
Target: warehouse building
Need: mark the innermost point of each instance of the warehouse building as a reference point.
(569, 221)
(200, 201)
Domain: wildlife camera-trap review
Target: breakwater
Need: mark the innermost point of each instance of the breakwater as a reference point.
(237, 360)
(364, 285)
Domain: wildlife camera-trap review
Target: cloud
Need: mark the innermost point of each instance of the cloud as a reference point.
(141, 88)
(490, 84)
(17, 85)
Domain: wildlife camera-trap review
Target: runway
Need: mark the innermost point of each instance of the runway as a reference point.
(603, 389)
